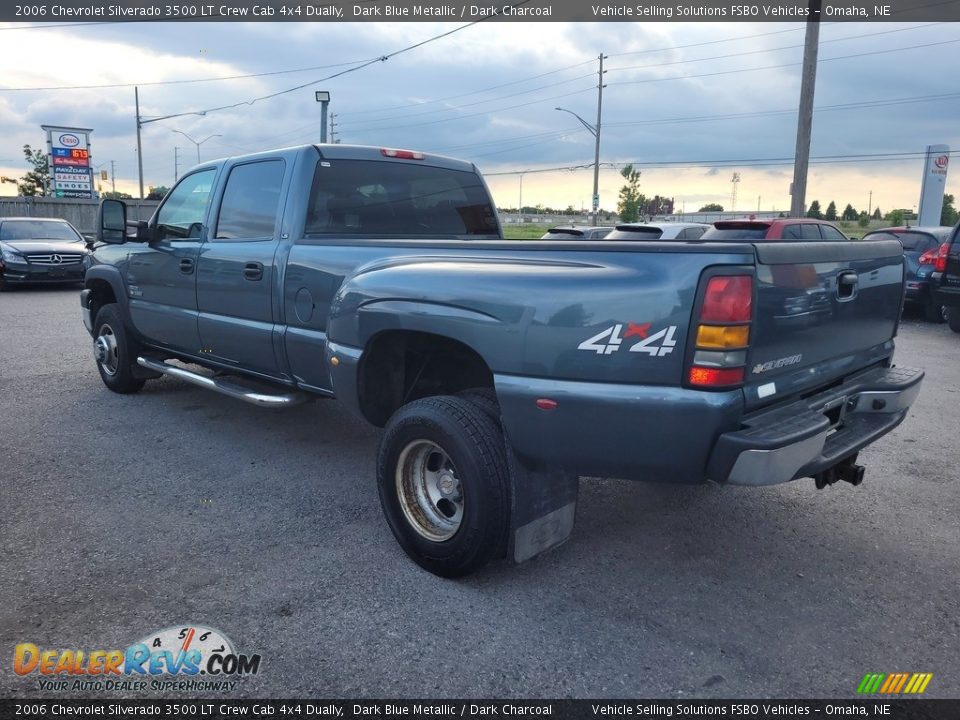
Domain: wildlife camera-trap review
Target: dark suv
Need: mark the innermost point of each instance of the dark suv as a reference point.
(946, 278)
(921, 248)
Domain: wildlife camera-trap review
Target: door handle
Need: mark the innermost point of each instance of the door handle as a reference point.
(253, 271)
(186, 265)
(847, 284)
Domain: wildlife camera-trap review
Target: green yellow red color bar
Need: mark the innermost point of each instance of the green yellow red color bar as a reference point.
(894, 683)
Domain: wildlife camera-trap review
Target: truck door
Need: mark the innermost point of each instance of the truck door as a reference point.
(161, 275)
(237, 271)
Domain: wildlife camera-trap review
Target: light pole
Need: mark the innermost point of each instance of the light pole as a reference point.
(595, 131)
(323, 97)
(198, 144)
(113, 179)
(520, 202)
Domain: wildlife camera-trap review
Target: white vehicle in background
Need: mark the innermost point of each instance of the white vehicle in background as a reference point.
(577, 232)
(658, 231)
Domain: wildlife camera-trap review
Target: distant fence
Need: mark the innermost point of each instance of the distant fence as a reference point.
(82, 214)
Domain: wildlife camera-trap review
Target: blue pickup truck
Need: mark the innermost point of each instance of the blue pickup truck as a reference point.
(501, 371)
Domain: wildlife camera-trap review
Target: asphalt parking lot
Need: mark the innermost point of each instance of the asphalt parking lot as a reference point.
(122, 515)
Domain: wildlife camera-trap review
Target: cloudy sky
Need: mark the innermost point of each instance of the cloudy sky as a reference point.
(690, 104)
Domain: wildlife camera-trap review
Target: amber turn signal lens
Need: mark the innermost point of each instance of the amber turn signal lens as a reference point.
(723, 336)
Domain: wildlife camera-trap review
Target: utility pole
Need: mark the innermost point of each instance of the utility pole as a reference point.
(176, 163)
(136, 100)
(595, 131)
(333, 128)
(735, 180)
(596, 154)
(870, 204)
(801, 160)
(113, 176)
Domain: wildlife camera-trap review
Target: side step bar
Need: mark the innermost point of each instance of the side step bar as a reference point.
(225, 387)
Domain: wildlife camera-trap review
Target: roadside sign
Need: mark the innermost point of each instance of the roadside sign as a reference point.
(596, 201)
(69, 153)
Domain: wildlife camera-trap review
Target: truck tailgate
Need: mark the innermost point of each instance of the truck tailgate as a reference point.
(824, 310)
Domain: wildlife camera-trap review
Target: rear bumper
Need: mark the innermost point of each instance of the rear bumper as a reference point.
(814, 434)
(949, 296)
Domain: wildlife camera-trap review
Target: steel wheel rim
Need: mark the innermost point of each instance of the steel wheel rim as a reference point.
(106, 351)
(429, 491)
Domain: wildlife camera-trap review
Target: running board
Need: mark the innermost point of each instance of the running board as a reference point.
(225, 387)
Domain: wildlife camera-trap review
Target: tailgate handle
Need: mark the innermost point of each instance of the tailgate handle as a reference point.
(847, 284)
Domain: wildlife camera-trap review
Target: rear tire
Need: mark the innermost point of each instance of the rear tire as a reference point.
(114, 351)
(484, 398)
(934, 313)
(953, 318)
(444, 484)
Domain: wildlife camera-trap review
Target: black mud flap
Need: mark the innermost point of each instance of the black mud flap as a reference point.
(543, 510)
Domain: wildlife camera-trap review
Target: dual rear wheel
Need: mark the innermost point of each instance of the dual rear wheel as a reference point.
(444, 482)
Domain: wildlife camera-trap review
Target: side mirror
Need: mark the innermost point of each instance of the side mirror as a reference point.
(112, 222)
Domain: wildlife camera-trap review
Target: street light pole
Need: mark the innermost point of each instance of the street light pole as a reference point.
(136, 100)
(520, 203)
(323, 97)
(595, 131)
(198, 144)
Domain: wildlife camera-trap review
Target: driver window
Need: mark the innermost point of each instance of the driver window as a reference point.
(183, 211)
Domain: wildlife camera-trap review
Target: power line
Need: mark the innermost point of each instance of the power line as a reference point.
(770, 50)
(368, 127)
(785, 65)
(382, 58)
(183, 82)
(749, 162)
(59, 25)
(637, 52)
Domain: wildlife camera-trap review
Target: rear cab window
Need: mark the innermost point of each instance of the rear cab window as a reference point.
(397, 199)
(251, 201)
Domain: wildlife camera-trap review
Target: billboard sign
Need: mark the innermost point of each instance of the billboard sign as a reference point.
(933, 184)
(71, 172)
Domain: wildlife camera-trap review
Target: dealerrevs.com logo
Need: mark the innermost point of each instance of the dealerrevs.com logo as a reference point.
(179, 658)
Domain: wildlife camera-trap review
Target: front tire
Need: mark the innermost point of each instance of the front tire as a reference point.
(444, 484)
(114, 351)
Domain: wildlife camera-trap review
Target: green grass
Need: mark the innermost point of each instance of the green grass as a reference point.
(524, 231)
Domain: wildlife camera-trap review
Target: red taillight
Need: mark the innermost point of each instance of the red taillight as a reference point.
(401, 154)
(928, 258)
(728, 299)
(940, 261)
(716, 377)
(723, 325)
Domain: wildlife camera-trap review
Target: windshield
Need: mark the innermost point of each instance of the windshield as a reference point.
(38, 230)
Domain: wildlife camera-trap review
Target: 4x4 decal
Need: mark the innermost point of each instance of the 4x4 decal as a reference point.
(610, 340)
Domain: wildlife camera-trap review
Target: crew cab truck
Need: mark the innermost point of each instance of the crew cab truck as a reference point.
(501, 371)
